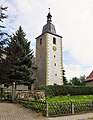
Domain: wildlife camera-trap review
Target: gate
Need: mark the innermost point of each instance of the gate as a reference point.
(5, 94)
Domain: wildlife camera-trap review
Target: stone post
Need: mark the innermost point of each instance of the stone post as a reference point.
(72, 108)
(46, 109)
(13, 92)
(2, 86)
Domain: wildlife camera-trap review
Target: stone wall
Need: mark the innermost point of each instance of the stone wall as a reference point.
(30, 95)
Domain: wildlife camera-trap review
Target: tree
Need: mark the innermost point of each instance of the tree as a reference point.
(78, 81)
(3, 35)
(3, 39)
(65, 82)
(82, 79)
(3, 71)
(75, 81)
(19, 59)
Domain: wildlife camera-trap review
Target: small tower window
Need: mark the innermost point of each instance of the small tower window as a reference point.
(55, 74)
(54, 64)
(40, 41)
(54, 40)
(54, 56)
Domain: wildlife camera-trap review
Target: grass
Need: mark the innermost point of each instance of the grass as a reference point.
(70, 98)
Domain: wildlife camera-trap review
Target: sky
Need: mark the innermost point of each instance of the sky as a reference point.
(73, 20)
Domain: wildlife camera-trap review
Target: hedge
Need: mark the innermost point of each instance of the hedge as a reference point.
(56, 90)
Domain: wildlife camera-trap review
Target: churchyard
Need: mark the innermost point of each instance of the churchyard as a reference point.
(57, 100)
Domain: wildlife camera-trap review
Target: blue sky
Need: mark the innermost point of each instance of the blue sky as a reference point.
(73, 19)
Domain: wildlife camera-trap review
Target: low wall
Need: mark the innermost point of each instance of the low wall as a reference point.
(30, 95)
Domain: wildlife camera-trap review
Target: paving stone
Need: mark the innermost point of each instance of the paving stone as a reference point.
(9, 111)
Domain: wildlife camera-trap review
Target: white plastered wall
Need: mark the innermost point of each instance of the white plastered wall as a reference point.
(54, 72)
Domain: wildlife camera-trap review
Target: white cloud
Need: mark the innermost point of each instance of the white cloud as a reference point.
(78, 32)
(76, 71)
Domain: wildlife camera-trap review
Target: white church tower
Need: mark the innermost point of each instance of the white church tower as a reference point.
(49, 56)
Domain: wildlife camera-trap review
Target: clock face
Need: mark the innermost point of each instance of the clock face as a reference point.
(54, 48)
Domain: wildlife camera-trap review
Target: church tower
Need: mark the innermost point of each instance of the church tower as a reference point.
(49, 55)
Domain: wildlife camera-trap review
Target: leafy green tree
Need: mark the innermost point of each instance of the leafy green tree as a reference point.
(77, 81)
(82, 80)
(19, 59)
(65, 82)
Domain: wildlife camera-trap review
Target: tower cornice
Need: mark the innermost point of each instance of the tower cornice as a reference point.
(49, 33)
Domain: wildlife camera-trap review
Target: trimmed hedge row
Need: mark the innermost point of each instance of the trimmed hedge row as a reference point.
(57, 90)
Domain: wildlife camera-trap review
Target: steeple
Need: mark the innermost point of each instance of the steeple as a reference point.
(49, 27)
(49, 55)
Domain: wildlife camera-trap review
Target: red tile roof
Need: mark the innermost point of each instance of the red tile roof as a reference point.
(90, 77)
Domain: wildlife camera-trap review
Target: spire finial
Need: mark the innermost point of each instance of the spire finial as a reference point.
(49, 16)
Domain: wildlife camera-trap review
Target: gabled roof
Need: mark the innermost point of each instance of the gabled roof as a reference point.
(90, 77)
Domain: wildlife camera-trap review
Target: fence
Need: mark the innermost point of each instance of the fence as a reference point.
(58, 109)
(67, 108)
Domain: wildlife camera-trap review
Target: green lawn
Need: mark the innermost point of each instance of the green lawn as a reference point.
(70, 98)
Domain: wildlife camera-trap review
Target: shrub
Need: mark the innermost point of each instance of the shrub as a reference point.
(56, 90)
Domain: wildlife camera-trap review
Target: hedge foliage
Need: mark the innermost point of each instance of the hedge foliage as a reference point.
(57, 90)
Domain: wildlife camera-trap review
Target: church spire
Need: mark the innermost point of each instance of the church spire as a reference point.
(49, 27)
(49, 16)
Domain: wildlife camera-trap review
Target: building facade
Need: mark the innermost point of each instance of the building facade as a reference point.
(49, 56)
(89, 80)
